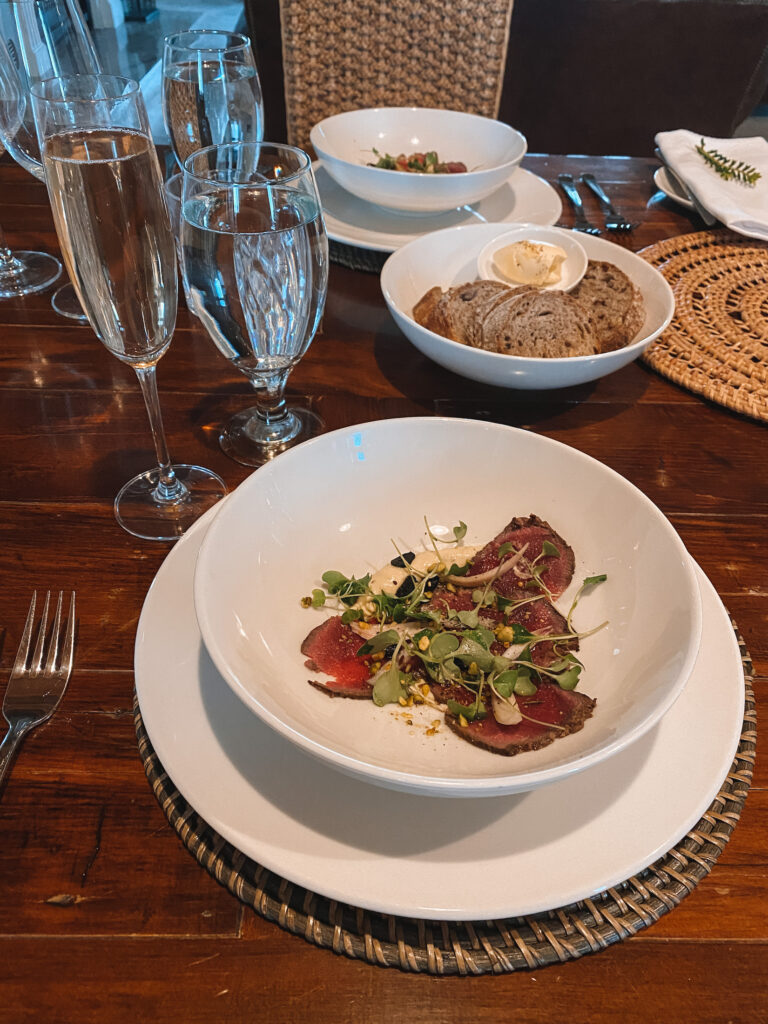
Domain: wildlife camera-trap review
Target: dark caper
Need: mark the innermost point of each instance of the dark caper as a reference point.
(404, 560)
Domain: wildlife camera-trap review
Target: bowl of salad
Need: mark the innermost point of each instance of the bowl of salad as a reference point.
(417, 159)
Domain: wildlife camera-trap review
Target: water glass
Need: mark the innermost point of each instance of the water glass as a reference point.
(211, 91)
(255, 257)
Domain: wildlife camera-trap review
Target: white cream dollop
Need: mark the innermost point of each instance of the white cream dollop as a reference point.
(535, 263)
(387, 579)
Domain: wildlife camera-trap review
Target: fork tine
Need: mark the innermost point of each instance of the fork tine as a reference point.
(54, 644)
(37, 656)
(23, 651)
(68, 649)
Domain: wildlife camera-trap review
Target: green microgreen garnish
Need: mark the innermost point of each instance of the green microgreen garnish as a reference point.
(456, 647)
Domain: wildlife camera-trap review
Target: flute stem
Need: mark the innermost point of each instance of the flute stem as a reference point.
(169, 489)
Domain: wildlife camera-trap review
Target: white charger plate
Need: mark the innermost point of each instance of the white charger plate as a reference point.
(523, 197)
(417, 856)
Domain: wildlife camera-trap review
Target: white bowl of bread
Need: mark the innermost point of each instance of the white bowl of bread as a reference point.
(348, 144)
(522, 336)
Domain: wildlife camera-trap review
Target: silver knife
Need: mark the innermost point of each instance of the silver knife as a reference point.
(708, 218)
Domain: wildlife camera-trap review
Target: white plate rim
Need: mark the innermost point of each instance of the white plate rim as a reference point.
(396, 777)
(663, 184)
(348, 234)
(182, 753)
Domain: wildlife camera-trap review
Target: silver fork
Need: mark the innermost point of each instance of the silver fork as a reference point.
(581, 223)
(614, 221)
(35, 689)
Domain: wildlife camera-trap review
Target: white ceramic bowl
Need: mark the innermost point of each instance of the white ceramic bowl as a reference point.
(345, 143)
(449, 257)
(571, 270)
(338, 502)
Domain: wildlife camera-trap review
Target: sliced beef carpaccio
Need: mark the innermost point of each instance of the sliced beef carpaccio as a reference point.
(556, 570)
(557, 712)
(332, 648)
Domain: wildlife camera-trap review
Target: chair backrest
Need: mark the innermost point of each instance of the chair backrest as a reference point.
(346, 54)
(575, 76)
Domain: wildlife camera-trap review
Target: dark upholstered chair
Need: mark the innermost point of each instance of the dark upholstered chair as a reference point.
(587, 76)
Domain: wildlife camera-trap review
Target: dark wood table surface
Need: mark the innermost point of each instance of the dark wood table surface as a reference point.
(104, 915)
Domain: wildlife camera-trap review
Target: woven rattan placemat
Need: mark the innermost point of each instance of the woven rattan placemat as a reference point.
(356, 259)
(717, 343)
(477, 947)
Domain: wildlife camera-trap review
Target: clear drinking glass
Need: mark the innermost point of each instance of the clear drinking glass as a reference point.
(44, 39)
(21, 272)
(106, 190)
(255, 257)
(211, 91)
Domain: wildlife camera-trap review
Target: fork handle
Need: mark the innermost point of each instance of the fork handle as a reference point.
(591, 182)
(9, 746)
(567, 185)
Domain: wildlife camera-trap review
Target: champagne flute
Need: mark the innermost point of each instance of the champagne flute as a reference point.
(211, 91)
(255, 257)
(44, 39)
(21, 272)
(106, 190)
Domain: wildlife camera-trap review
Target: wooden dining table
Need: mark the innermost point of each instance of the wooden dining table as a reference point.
(104, 914)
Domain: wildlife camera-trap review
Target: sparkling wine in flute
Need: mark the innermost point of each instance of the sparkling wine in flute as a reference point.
(109, 208)
(210, 102)
(115, 237)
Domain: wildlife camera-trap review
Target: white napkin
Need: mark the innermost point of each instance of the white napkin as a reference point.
(742, 208)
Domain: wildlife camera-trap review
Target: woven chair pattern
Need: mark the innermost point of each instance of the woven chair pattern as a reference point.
(347, 54)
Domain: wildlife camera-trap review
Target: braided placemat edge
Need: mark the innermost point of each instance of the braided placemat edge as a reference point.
(479, 947)
(717, 343)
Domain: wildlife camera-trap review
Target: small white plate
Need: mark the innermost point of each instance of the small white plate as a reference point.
(670, 188)
(523, 197)
(572, 269)
(271, 544)
(415, 856)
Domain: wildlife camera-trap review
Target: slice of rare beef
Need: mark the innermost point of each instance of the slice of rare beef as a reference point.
(332, 648)
(556, 570)
(556, 712)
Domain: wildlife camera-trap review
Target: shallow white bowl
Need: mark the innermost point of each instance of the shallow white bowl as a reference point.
(345, 143)
(449, 257)
(338, 501)
(571, 270)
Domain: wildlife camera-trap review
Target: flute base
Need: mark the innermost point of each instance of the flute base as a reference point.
(143, 512)
(247, 439)
(28, 272)
(66, 303)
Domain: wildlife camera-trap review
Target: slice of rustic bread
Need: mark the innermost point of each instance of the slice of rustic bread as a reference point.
(459, 305)
(613, 303)
(539, 324)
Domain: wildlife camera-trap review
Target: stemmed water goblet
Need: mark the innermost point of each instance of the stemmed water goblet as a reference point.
(106, 191)
(211, 91)
(255, 258)
(44, 39)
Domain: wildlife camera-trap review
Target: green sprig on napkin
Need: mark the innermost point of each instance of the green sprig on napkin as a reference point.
(729, 169)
